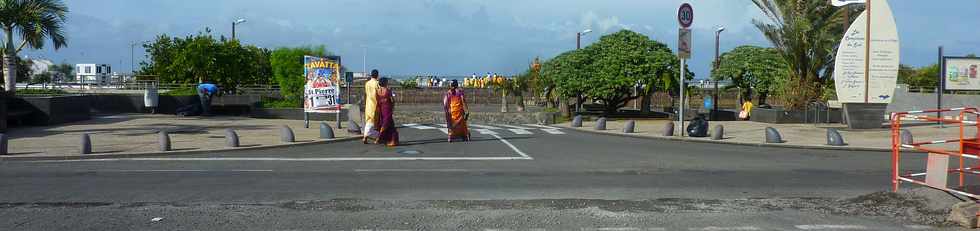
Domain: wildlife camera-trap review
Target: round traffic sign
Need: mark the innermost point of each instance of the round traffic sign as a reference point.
(685, 15)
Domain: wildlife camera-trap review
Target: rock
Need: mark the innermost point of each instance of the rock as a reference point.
(773, 137)
(600, 124)
(907, 137)
(935, 199)
(834, 138)
(629, 127)
(669, 128)
(964, 214)
(326, 132)
(286, 134)
(577, 121)
(231, 138)
(164, 141)
(718, 133)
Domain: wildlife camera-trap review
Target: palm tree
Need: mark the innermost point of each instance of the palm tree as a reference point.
(34, 21)
(806, 33)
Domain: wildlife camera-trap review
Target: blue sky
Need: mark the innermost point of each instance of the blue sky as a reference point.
(460, 37)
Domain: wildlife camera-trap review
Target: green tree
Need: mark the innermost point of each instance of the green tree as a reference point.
(565, 75)
(806, 34)
(924, 77)
(287, 69)
(201, 57)
(62, 72)
(752, 67)
(34, 21)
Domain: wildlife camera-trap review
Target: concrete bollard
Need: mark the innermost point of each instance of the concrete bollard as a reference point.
(286, 134)
(600, 124)
(669, 128)
(577, 121)
(3, 144)
(718, 133)
(231, 138)
(834, 138)
(773, 137)
(906, 136)
(326, 132)
(164, 141)
(86, 147)
(352, 127)
(630, 127)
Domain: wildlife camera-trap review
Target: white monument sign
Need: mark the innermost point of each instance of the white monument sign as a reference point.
(849, 76)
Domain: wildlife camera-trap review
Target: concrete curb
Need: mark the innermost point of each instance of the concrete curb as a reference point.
(708, 140)
(171, 153)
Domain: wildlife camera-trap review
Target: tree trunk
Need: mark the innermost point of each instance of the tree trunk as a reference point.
(563, 106)
(9, 73)
(503, 101)
(645, 102)
(520, 103)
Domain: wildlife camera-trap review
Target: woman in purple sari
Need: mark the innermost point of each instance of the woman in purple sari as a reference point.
(386, 107)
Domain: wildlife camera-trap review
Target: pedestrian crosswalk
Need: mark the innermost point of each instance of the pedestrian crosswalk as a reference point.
(496, 129)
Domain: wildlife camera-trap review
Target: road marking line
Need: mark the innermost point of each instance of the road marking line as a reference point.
(616, 229)
(484, 126)
(411, 170)
(822, 227)
(521, 131)
(515, 127)
(918, 227)
(444, 130)
(485, 131)
(714, 228)
(523, 157)
(442, 125)
(553, 131)
(541, 126)
(513, 147)
(189, 170)
(410, 125)
(423, 127)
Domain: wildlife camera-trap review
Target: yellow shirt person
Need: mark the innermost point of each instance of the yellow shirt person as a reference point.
(370, 104)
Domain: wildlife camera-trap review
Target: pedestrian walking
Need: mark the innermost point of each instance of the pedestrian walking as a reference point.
(370, 107)
(387, 132)
(454, 104)
(205, 91)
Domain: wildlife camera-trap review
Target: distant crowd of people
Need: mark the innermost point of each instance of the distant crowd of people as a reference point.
(487, 81)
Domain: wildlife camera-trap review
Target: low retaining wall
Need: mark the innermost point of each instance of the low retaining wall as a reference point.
(50, 110)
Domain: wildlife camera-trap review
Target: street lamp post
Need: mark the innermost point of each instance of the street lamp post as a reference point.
(714, 100)
(578, 45)
(235, 23)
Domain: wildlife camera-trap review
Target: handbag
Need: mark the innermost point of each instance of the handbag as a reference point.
(743, 114)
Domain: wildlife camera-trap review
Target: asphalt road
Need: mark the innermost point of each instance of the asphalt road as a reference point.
(506, 179)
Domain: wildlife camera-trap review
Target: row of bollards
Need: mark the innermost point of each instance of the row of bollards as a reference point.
(231, 139)
(630, 127)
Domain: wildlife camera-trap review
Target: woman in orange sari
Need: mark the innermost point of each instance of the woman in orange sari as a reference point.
(386, 107)
(454, 104)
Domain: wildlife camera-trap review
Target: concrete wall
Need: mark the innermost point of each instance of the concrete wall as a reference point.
(907, 101)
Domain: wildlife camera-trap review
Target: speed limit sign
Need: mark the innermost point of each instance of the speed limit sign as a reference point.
(685, 15)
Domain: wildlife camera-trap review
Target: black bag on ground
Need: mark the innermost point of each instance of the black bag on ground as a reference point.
(698, 127)
(189, 110)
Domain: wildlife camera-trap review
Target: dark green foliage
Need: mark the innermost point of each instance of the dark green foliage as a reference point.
(287, 69)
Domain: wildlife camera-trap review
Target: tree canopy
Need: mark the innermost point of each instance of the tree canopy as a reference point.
(201, 57)
(608, 71)
(287, 69)
(752, 67)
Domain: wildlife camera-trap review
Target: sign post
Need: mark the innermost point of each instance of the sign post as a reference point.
(322, 89)
(685, 17)
(866, 68)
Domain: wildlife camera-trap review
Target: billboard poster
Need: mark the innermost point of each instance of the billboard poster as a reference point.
(322, 91)
(961, 73)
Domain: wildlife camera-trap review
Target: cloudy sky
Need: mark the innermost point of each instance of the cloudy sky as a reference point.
(460, 37)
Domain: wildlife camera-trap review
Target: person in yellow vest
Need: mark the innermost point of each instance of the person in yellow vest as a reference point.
(371, 107)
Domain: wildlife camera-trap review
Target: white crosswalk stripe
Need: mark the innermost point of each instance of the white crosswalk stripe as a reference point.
(486, 131)
(496, 129)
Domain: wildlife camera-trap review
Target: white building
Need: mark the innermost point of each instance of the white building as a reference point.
(93, 73)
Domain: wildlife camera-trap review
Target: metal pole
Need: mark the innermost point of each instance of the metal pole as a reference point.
(680, 118)
(578, 40)
(940, 88)
(867, 56)
(232, 30)
(714, 98)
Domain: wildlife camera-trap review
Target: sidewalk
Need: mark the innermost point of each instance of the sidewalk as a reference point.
(795, 135)
(137, 133)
